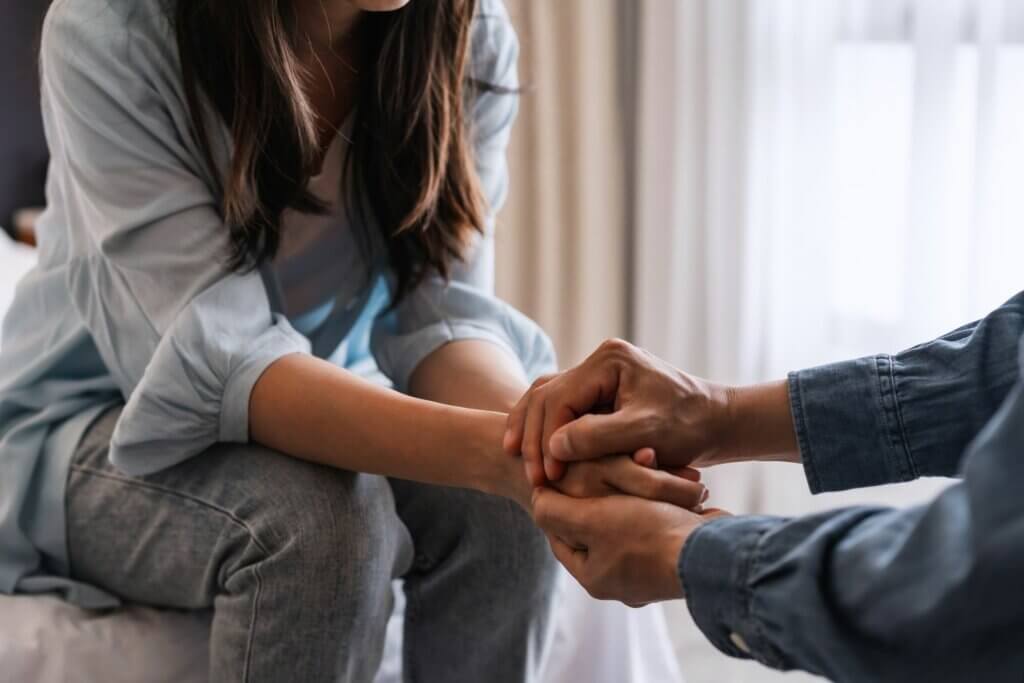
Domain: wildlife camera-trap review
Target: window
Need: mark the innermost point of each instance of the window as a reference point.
(928, 164)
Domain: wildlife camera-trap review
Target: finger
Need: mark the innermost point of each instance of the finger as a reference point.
(573, 559)
(685, 472)
(646, 457)
(626, 476)
(513, 440)
(594, 436)
(590, 385)
(556, 414)
(554, 470)
(532, 431)
(561, 515)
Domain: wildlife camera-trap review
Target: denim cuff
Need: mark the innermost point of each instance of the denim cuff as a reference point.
(849, 426)
(715, 566)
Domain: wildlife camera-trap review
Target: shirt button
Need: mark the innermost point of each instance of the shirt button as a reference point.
(740, 643)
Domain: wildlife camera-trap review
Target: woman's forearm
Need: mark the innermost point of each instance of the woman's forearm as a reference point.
(316, 411)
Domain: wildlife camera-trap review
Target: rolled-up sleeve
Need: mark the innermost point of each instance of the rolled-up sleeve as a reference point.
(440, 312)
(893, 418)
(930, 593)
(184, 338)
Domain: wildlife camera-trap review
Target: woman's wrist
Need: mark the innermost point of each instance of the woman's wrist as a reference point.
(758, 425)
(495, 472)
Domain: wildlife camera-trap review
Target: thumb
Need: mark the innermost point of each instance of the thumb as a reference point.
(646, 457)
(595, 436)
(561, 515)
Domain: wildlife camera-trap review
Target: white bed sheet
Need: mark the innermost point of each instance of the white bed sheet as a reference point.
(45, 640)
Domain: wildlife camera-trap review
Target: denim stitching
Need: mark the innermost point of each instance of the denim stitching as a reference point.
(886, 399)
(802, 434)
(754, 562)
(137, 483)
(911, 462)
(252, 622)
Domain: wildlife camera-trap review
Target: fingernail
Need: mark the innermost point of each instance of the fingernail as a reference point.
(704, 496)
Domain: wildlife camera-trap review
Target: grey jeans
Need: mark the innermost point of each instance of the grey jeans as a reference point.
(296, 562)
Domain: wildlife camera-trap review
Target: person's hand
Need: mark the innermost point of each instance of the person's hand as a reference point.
(622, 475)
(623, 399)
(619, 547)
(619, 400)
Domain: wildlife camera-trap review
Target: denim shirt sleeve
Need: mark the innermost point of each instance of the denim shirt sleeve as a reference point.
(440, 312)
(184, 338)
(875, 594)
(893, 418)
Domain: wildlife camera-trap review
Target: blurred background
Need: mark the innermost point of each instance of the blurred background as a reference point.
(745, 187)
(749, 187)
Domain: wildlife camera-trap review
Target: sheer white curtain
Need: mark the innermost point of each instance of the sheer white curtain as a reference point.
(818, 180)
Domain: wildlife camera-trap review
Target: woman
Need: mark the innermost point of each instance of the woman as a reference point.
(241, 196)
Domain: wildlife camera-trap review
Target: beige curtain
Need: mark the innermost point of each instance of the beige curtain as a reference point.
(563, 243)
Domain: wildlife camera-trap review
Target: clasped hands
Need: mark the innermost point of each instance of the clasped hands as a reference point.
(618, 522)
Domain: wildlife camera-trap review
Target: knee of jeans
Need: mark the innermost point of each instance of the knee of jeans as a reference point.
(316, 518)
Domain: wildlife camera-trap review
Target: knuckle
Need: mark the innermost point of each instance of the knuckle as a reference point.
(617, 347)
(541, 381)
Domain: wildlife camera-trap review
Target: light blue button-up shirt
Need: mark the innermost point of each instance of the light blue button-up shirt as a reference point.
(131, 302)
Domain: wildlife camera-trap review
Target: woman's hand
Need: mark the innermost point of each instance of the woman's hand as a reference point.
(617, 475)
(609, 476)
(623, 399)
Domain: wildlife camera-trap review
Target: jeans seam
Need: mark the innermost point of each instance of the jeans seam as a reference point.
(142, 484)
(252, 622)
(139, 483)
(411, 611)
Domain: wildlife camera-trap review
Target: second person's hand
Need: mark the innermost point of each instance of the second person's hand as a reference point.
(623, 399)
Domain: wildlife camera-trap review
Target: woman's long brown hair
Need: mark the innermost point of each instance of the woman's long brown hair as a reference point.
(411, 159)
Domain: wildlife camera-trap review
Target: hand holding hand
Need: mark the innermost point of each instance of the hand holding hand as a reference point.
(623, 399)
(621, 475)
(619, 400)
(619, 547)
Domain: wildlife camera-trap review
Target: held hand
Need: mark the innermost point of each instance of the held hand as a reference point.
(628, 400)
(621, 475)
(619, 547)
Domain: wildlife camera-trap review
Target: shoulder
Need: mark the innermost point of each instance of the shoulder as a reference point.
(495, 45)
(98, 38)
